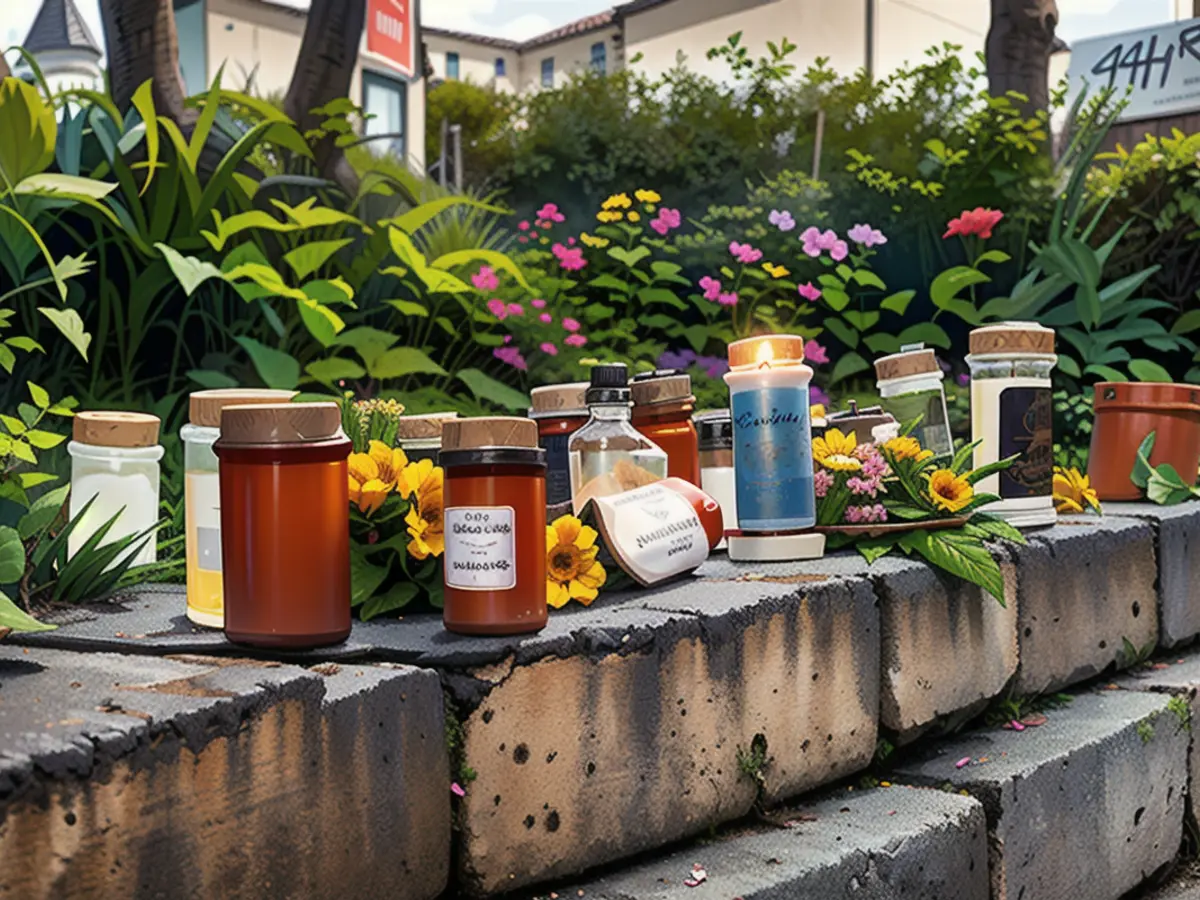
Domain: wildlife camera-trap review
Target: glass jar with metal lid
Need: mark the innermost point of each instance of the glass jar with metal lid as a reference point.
(911, 389)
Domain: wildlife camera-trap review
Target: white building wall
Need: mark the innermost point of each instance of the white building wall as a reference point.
(476, 61)
(570, 55)
(905, 29)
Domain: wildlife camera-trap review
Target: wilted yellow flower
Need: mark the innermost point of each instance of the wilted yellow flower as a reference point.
(422, 482)
(1073, 491)
(617, 201)
(634, 216)
(572, 572)
(949, 491)
(647, 196)
(907, 448)
(592, 240)
(836, 451)
(610, 216)
(776, 271)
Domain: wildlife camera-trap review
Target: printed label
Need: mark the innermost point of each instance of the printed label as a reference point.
(772, 452)
(480, 550)
(558, 468)
(1027, 428)
(652, 532)
(208, 549)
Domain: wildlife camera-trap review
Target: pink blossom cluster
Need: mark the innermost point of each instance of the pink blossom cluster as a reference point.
(817, 242)
(712, 291)
(485, 279)
(815, 353)
(511, 355)
(548, 215)
(744, 253)
(570, 258)
(666, 220)
(868, 514)
(866, 235)
(823, 480)
(502, 310)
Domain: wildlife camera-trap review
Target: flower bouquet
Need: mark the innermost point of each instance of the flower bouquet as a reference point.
(396, 538)
(901, 497)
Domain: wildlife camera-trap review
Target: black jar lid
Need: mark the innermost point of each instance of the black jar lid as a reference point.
(715, 429)
(609, 384)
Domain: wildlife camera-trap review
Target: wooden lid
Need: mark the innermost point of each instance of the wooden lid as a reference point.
(654, 389)
(422, 428)
(280, 423)
(907, 364)
(776, 349)
(1017, 338)
(559, 398)
(490, 431)
(116, 429)
(204, 407)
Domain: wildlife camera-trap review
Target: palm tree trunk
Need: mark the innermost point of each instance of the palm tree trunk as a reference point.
(1019, 43)
(324, 70)
(141, 44)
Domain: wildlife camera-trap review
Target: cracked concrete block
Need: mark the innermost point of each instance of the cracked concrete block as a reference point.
(139, 777)
(636, 722)
(1088, 805)
(1083, 590)
(1177, 529)
(885, 844)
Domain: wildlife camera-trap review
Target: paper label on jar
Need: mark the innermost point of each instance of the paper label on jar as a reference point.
(652, 532)
(1027, 430)
(480, 548)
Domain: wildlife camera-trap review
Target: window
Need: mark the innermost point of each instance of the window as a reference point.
(599, 57)
(452, 65)
(500, 68)
(190, 26)
(548, 72)
(385, 101)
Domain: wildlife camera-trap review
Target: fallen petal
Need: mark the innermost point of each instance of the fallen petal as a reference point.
(1016, 726)
(1033, 720)
(965, 761)
(456, 789)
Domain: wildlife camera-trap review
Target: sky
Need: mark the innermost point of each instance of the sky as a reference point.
(523, 19)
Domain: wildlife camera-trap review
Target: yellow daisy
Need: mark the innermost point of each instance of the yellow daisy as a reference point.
(572, 572)
(949, 491)
(1073, 491)
(836, 451)
(422, 482)
(907, 448)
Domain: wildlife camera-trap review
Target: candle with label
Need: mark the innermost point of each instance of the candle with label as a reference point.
(772, 437)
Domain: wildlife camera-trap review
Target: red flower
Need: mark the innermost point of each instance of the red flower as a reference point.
(978, 221)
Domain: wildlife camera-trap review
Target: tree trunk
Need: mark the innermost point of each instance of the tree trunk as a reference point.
(324, 70)
(1019, 42)
(140, 42)
(5, 71)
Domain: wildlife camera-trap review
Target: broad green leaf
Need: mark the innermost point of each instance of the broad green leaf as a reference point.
(307, 258)
(697, 336)
(401, 361)
(12, 552)
(321, 321)
(12, 616)
(485, 257)
(369, 343)
(1187, 323)
(1072, 259)
(43, 512)
(331, 292)
(190, 271)
(993, 256)
(838, 300)
(842, 332)
(1119, 291)
(330, 371)
(875, 548)
(210, 379)
(960, 555)
(1145, 370)
(926, 333)
(1068, 366)
(867, 278)
(1165, 487)
(880, 344)
(898, 302)
(44, 440)
(863, 321)
(848, 364)
(14, 425)
(276, 368)
(668, 271)
(831, 281)
(69, 324)
(629, 257)
(365, 577)
(609, 282)
(989, 528)
(8, 359)
(394, 598)
(23, 342)
(409, 307)
(33, 479)
(650, 295)
(1106, 373)
(40, 397)
(30, 132)
(307, 215)
(266, 277)
(1140, 475)
(484, 387)
(423, 214)
(1087, 305)
(64, 187)
(950, 283)
(236, 224)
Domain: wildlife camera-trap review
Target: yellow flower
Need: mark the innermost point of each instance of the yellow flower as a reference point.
(592, 240)
(1073, 491)
(647, 196)
(949, 491)
(572, 572)
(422, 483)
(907, 448)
(816, 411)
(391, 462)
(634, 216)
(368, 488)
(610, 216)
(776, 271)
(836, 451)
(617, 201)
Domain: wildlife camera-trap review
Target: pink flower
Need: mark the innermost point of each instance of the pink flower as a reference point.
(523, 239)
(540, 224)
(533, 234)
(744, 253)
(523, 225)
(875, 466)
(516, 309)
(660, 226)
(485, 279)
(811, 237)
(854, 515)
(666, 220)
(828, 239)
(822, 482)
(729, 299)
(549, 349)
(839, 251)
(550, 212)
(456, 789)
(512, 356)
(575, 340)
(978, 221)
(497, 308)
(711, 287)
(538, 303)
(546, 317)
(814, 352)
(570, 324)
(570, 259)
(868, 486)
(809, 292)
(508, 339)
(866, 235)
(570, 242)
(866, 515)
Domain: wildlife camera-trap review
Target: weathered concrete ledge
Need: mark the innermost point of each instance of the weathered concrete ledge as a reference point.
(886, 844)
(129, 776)
(1088, 805)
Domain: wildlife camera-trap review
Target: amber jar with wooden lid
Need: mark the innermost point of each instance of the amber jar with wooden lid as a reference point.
(494, 518)
(285, 532)
(662, 411)
(420, 437)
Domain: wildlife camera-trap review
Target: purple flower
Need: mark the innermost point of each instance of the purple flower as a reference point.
(839, 251)
(963, 380)
(676, 359)
(729, 299)
(816, 395)
(497, 308)
(781, 219)
(814, 352)
(866, 235)
(711, 287)
(485, 279)
(810, 292)
(822, 482)
(744, 253)
(811, 237)
(512, 356)
(827, 240)
(575, 340)
(712, 366)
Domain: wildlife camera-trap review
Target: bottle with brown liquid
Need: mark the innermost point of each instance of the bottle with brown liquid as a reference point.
(662, 411)
(285, 528)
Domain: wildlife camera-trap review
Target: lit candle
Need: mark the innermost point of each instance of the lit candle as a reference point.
(772, 434)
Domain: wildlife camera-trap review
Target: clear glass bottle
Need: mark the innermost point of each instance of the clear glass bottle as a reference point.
(608, 455)
(910, 387)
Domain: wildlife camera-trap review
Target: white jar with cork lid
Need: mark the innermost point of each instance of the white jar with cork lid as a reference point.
(1012, 414)
(114, 464)
(910, 388)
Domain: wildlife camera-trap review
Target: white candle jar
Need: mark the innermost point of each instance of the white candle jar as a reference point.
(114, 464)
(1012, 414)
(715, 436)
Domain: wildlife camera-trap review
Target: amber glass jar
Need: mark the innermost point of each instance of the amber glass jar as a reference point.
(495, 524)
(285, 533)
(559, 410)
(662, 411)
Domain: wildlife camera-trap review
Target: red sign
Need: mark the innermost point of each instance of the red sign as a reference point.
(391, 32)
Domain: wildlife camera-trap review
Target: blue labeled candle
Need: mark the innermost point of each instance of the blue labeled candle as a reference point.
(772, 433)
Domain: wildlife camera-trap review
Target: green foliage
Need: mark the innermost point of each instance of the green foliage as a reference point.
(1162, 483)
(484, 115)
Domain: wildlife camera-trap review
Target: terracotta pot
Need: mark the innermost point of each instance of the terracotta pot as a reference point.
(1125, 413)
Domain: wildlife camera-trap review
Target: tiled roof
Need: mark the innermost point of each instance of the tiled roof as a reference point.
(59, 26)
(484, 39)
(571, 29)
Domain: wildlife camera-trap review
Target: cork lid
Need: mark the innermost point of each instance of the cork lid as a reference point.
(662, 386)
(281, 423)
(776, 349)
(116, 429)
(907, 364)
(489, 431)
(559, 398)
(1013, 338)
(204, 407)
(424, 427)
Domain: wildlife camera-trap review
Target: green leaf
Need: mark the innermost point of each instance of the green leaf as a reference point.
(365, 577)
(837, 300)
(650, 295)
(926, 333)
(210, 379)
(848, 364)
(14, 425)
(329, 292)
(1145, 370)
(12, 616)
(43, 512)
(23, 342)
(875, 548)
(321, 321)
(959, 554)
(40, 397)
(668, 271)
(12, 553)
(1140, 475)
(880, 344)
(369, 343)
(395, 598)
(1187, 323)
(867, 278)
(190, 271)
(1106, 373)
(898, 302)
(1087, 305)
(842, 332)
(1165, 487)
(863, 321)
(276, 368)
(629, 257)
(44, 440)
(950, 283)
(697, 336)
(486, 257)
(1072, 259)
(71, 327)
(609, 283)
(307, 258)
(33, 479)
(401, 361)
(30, 130)
(330, 371)
(1068, 366)
(409, 308)
(484, 387)
(54, 185)
(993, 256)
(989, 527)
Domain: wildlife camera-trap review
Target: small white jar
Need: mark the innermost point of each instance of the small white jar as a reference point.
(715, 434)
(115, 463)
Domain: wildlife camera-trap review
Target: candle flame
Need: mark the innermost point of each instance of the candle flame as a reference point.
(766, 353)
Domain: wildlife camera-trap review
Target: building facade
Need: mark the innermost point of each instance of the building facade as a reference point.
(66, 50)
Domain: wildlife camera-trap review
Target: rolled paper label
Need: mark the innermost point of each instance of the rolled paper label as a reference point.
(772, 458)
(652, 532)
(480, 548)
(1027, 429)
